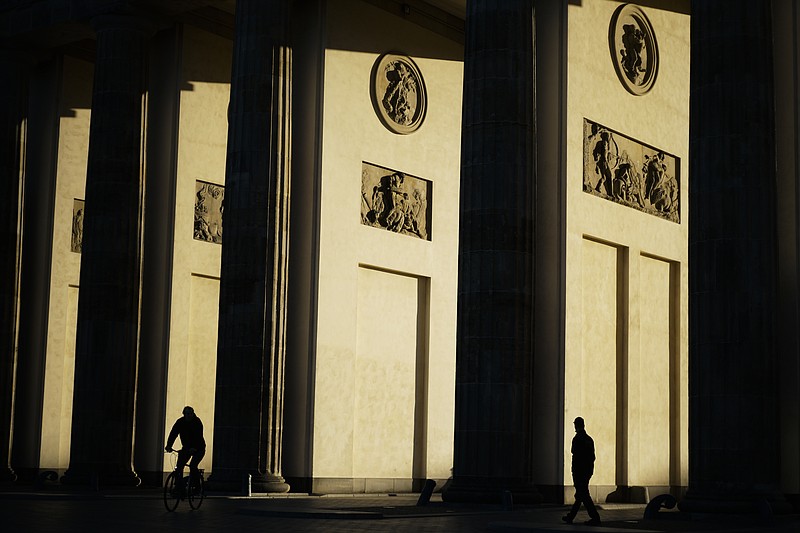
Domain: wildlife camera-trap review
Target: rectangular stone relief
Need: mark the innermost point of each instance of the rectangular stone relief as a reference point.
(623, 170)
(208, 205)
(76, 242)
(396, 201)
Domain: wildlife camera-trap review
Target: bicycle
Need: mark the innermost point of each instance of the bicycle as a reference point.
(176, 489)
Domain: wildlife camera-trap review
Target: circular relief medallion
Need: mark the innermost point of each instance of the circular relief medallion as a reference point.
(634, 50)
(398, 93)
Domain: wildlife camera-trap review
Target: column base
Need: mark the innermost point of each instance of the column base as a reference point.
(629, 494)
(153, 479)
(460, 490)
(96, 477)
(236, 481)
(7, 475)
(767, 502)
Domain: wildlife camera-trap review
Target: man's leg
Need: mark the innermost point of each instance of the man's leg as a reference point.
(590, 508)
(197, 456)
(570, 516)
(183, 457)
(586, 498)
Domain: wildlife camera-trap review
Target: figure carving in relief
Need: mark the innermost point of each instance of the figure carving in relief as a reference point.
(208, 210)
(418, 206)
(400, 98)
(627, 172)
(605, 158)
(654, 170)
(627, 181)
(633, 42)
(77, 231)
(392, 207)
(634, 49)
(661, 188)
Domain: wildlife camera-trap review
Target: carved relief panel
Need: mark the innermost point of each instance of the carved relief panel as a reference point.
(208, 205)
(398, 93)
(76, 242)
(623, 170)
(396, 201)
(633, 47)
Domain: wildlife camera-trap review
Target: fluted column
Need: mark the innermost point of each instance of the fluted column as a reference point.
(494, 357)
(108, 307)
(11, 136)
(248, 420)
(733, 381)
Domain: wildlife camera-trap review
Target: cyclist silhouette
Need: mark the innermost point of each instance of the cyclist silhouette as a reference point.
(190, 429)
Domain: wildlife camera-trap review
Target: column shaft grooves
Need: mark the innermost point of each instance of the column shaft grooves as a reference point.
(108, 307)
(494, 369)
(733, 386)
(249, 402)
(11, 138)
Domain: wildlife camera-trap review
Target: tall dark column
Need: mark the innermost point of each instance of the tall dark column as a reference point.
(248, 420)
(108, 306)
(733, 381)
(39, 184)
(494, 357)
(162, 139)
(12, 105)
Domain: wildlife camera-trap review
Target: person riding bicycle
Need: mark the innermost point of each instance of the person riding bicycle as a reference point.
(190, 429)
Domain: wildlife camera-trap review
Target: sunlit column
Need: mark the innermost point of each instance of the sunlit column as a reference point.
(12, 106)
(248, 419)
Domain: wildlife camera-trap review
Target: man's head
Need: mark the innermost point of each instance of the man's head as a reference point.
(579, 424)
(188, 412)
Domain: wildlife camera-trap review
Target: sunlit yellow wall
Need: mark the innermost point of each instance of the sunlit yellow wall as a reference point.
(358, 34)
(202, 141)
(626, 269)
(73, 150)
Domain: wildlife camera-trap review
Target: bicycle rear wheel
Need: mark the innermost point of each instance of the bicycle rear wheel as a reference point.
(196, 493)
(172, 493)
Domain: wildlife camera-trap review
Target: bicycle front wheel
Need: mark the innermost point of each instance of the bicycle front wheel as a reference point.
(172, 493)
(196, 493)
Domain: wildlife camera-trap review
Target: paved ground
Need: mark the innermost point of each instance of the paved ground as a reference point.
(143, 511)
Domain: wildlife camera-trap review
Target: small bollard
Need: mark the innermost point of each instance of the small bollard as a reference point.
(247, 485)
(427, 491)
(508, 501)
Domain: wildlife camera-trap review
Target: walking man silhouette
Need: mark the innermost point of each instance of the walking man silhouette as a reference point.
(582, 470)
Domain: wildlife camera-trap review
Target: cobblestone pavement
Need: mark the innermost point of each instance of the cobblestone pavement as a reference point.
(143, 511)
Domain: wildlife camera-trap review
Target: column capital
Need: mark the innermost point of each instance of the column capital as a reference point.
(20, 58)
(124, 21)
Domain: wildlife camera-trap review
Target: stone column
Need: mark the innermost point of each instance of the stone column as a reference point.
(108, 307)
(12, 106)
(494, 357)
(733, 381)
(163, 98)
(39, 184)
(248, 419)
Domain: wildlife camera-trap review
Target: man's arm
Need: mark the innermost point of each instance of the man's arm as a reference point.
(173, 434)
